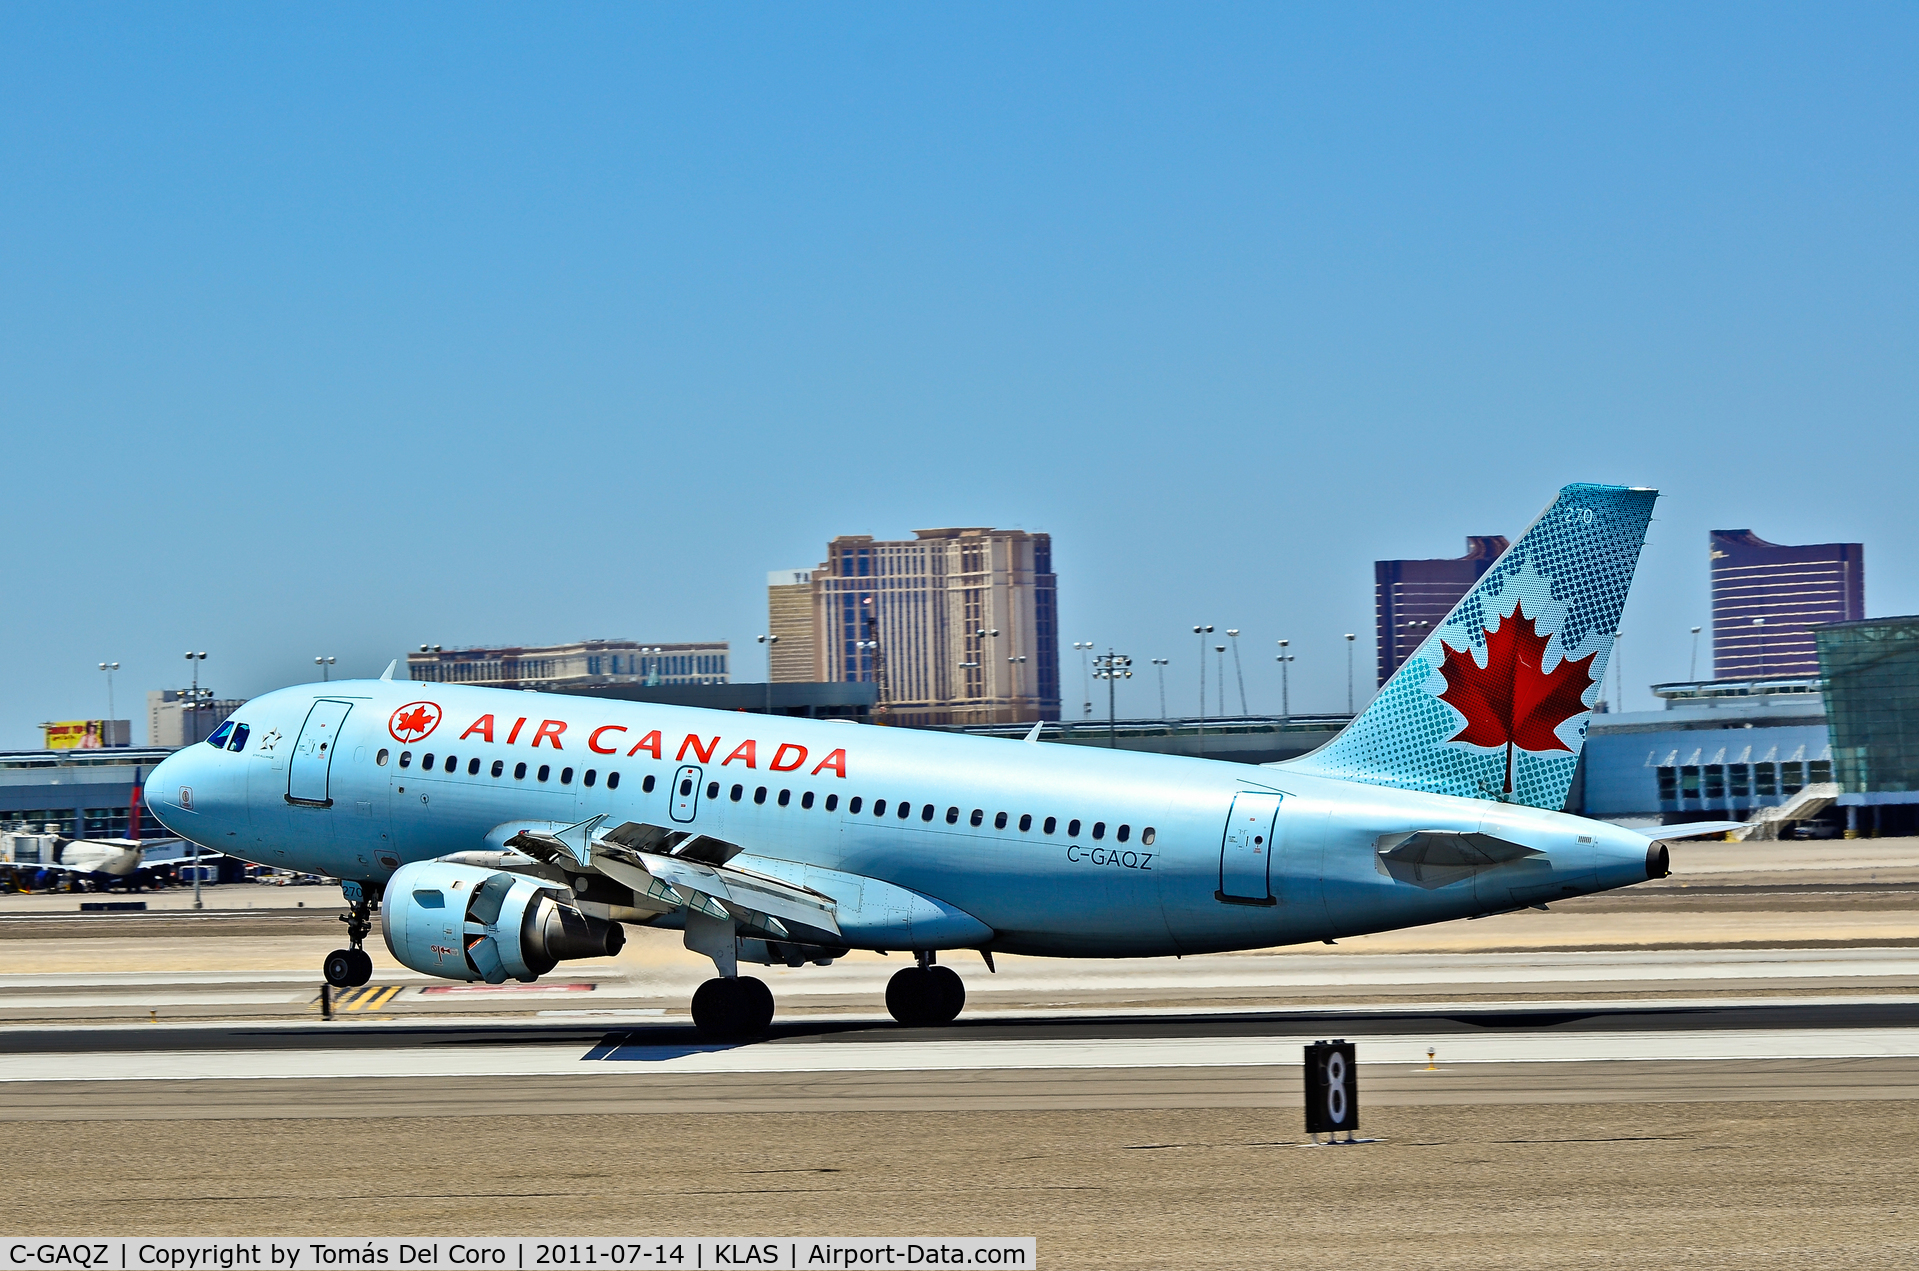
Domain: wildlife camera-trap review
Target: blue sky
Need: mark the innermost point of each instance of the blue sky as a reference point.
(336, 330)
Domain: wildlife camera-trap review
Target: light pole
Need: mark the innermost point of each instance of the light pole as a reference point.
(769, 641)
(109, 668)
(1113, 667)
(1285, 681)
(1085, 674)
(1219, 650)
(1350, 637)
(1162, 663)
(1692, 668)
(1237, 669)
(326, 668)
(1202, 632)
(193, 695)
(194, 707)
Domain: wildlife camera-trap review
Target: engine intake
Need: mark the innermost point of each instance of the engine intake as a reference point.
(465, 922)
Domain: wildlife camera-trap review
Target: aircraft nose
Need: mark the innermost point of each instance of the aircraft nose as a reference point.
(169, 789)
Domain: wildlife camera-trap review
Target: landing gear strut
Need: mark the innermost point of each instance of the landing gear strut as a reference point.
(730, 1009)
(351, 967)
(925, 995)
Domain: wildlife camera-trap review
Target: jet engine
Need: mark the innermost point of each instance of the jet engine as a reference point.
(464, 922)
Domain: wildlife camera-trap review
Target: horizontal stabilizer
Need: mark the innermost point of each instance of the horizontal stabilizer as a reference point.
(1692, 829)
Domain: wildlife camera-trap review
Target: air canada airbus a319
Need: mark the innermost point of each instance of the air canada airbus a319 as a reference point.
(497, 833)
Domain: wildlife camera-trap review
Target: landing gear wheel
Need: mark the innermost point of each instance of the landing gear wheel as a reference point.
(729, 1010)
(341, 967)
(362, 967)
(925, 996)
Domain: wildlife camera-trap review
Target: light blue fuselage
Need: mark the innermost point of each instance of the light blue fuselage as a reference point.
(1058, 893)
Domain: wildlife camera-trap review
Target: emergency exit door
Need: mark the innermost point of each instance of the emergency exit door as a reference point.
(313, 753)
(1246, 853)
(686, 793)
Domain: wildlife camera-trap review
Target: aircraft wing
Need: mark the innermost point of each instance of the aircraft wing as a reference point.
(668, 869)
(170, 852)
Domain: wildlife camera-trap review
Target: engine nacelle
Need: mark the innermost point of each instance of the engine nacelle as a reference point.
(464, 922)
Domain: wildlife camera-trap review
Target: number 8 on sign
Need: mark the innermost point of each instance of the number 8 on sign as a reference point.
(1332, 1088)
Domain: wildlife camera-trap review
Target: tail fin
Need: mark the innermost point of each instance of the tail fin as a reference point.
(1494, 704)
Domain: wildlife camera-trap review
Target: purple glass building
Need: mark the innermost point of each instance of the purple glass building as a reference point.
(1767, 597)
(1411, 597)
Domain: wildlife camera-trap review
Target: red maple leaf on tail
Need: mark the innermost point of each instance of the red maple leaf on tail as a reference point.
(1511, 701)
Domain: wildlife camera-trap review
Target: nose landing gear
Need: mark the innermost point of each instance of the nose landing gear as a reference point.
(351, 967)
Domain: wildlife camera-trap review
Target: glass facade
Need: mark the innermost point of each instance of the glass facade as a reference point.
(1871, 670)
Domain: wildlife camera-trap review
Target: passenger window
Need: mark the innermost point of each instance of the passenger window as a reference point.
(952, 816)
(806, 800)
(1047, 826)
(1025, 822)
(879, 807)
(239, 742)
(613, 781)
(219, 738)
(759, 795)
(712, 789)
(406, 757)
(977, 816)
(473, 767)
(566, 776)
(786, 797)
(592, 775)
(1146, 836)
(546, 770)
(452, 763)
(1125, 832)
(379, 760)
(906, 808)
(736, 792)
(1099, 829)
(852, 804)
(926, 813)
(519, 772)
(1072, 829)
(999, 820)
(499, 766)
(426, 764)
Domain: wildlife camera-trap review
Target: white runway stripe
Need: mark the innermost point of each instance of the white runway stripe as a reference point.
(1407, 1050)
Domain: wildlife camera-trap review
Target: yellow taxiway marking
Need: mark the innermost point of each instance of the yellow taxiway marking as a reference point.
(368, 997)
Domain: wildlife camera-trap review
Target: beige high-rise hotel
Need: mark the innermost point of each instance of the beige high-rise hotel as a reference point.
(953, 626)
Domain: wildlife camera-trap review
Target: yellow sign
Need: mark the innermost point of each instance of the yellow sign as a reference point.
(76, 734)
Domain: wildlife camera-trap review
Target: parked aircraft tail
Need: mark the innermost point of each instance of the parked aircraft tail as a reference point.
(1494, 704)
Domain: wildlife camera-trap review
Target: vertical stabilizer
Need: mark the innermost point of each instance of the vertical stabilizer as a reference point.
(1494, 704)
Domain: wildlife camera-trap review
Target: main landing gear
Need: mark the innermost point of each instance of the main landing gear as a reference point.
(925, 995)
(351, 967)
(728, 1009)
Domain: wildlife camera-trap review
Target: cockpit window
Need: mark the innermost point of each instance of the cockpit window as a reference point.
(219, 738)
(239, 742)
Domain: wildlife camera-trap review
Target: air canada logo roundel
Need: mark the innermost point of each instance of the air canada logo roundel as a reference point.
(414, 721)
(1513, 702)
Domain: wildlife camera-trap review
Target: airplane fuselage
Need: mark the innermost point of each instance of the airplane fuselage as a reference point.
(1039, 849)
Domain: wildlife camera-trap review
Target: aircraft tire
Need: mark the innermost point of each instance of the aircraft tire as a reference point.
(362, 967)
(339, 969)
(925, 997)
(951, 991)
(758, 1001)
(728, 1010)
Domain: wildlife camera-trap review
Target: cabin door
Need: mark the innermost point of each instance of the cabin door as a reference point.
(313, 754)
(1246, 853)
(686, 793)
